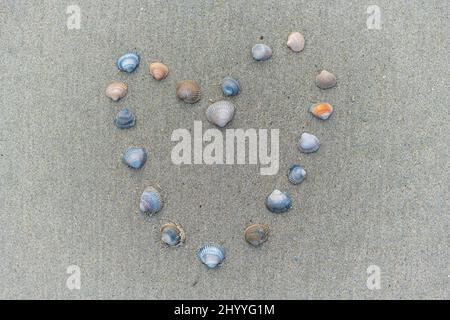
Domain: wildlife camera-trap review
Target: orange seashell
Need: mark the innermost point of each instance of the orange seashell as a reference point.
(158, 70)
(117, 90)
(322, 110)
(188, 91)
(296, 41)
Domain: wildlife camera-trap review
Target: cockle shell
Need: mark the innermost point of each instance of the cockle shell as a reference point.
(220, 113)
(256, 234)
(151, 201)
(308, 143)
(124, 119)
(230, 87)
(325, 80)
(134, 157)
(211, 255)
(158, 70)
(296, 174)
(188, 91)
(128, 62)
(296, 41)
(261, 52)
(278, 202)
(322, 110)
(117, 90)
(172, 234)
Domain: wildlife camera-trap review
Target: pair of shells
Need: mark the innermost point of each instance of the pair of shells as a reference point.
(296, 174)
(325, 80)
(151, 201)
(261, 52)
(135, 157)
(124, 119)
(308, 143)
(158, 70)
(220, 113)
(128, 62)
(278, 202)
(188, 91)
(296, 41)
(172, 234)
(116, 90)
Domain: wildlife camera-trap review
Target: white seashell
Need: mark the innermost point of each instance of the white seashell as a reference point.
(296, 41)
(220, 113)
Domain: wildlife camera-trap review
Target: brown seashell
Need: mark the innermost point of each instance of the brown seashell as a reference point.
(325, 80)
(158, 70)
(117, 90)
(188, 91)
(296, 41)
(322, 110)
(256, 234)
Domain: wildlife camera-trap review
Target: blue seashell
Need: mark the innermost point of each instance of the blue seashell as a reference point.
(278, 202)
(128, 62)
(230, 87)
(172, 234)
(261, 52)
(308, 143)
(151, 201)
(211, 255)
(135, 157)
(124, 119)
(296, 174)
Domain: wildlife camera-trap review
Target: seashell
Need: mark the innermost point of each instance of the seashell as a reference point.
(325, 80)
(296, 41)
(256, 234)
(296, 174)
(211, 255)
(322, 110)
(172, 234)
(134, 157)
(278, 202)
(188, 91)
(124, 119)
(158, 70)
(308, 143)
(151, 201)
(128, 62)
(117, 90)
(220, 113)
(230, 87)
(261, 52)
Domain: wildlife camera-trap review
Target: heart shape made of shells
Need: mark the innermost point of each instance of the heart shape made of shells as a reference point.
(220, 114)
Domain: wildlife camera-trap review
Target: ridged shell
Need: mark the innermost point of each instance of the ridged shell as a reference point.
(211, 255)
(220, 113)
(296, 41)
(134, 157)
(124, 119)
(188, 91)
(172, 234)
(116, 90)
(296, 174)
(261, 52)
(158, 70)
(151, 201)
(278, 202)
(308, 143)
(128, 62)
(256, 234)
(322, 110)
(325, 80)
(230, 87)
